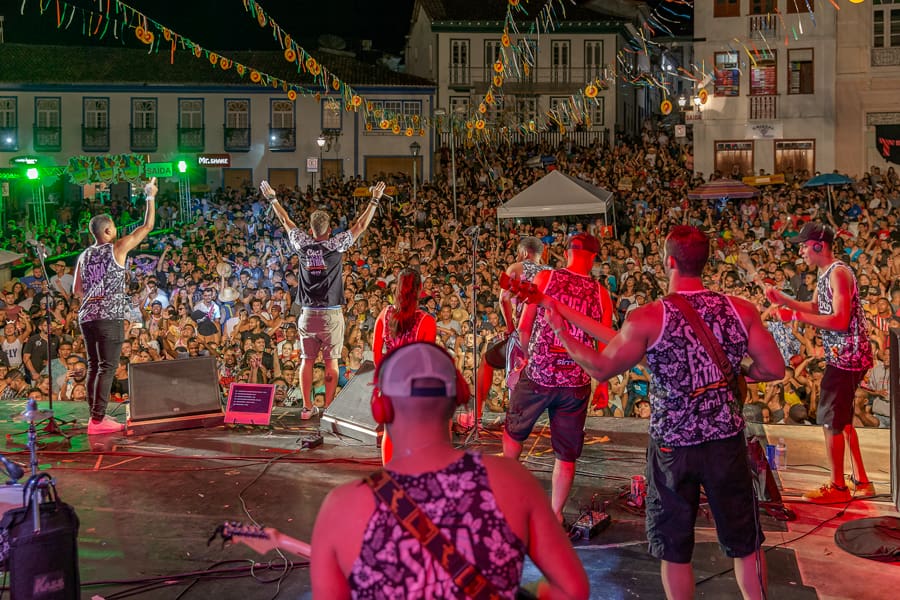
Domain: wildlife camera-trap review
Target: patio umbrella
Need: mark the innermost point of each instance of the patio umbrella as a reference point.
(828, 180)
(723, 189)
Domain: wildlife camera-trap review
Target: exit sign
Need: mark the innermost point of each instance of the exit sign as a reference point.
(158, 169)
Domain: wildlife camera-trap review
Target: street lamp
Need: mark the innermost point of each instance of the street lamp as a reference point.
(320, 142)
(440, 113)
(682, 102)
(414, 150)
(697, 102)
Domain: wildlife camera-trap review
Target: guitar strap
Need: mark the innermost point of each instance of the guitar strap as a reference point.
(713, 348)
(465, 575)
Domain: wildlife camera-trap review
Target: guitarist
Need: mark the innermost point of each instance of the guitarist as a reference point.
(492, 509)
(696, 436)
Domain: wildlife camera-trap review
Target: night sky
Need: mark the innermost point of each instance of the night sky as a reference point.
(225, 25)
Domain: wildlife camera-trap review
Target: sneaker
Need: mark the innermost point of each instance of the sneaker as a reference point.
(859, 489)
(106, 426)
(828, 494)
(308, 413)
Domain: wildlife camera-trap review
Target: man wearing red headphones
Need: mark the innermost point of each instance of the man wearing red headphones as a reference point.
(837, 312)
(475, 502)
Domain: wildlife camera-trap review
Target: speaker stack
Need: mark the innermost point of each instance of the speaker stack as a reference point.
(173, 394)
(349, 414)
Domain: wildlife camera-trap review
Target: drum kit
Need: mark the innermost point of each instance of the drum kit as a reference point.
(13, 494)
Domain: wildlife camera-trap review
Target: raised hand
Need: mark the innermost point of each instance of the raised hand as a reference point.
(150, 189)
(267, 190)
(774, 296)
(377, 190)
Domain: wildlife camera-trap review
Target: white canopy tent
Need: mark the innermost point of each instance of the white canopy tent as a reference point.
(557, 195)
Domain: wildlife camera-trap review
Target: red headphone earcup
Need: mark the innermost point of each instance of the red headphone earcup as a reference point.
(382, 409)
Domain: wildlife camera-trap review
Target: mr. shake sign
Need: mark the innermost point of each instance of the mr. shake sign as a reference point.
(214, 161)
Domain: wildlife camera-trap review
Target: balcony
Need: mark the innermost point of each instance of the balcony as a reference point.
(282, 139)
(237, 139)
(763, 27)
(47, 139)
(191, 139)
(540, 80)
(885, 57)
(9, 139)
(95, 139)
(763, 107)
(144, 139)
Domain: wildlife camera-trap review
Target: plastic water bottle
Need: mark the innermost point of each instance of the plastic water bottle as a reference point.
(781, 455)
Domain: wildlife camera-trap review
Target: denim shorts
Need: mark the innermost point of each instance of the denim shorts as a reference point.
(567, 408)
(321, 329)
(674, 477)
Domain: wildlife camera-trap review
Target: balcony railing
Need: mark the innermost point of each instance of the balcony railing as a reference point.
(885, 57)
(763, 107)
(144, 139)
(282, 139)
(191, 139)
(581, 138)
(95, 139)
(539, 80)
(763, 27)
(9, 139)
(48, 139)
(237, 139)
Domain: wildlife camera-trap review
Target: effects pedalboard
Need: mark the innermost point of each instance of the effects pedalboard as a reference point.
(590, 524)
(310, 441)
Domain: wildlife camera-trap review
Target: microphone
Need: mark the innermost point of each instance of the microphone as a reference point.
(473, 230)
(14, 469)
(39, 247)
(383, 195)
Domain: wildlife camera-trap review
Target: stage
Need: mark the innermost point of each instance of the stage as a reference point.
(148, 504)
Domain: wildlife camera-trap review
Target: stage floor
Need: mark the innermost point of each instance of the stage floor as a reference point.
(148, 504)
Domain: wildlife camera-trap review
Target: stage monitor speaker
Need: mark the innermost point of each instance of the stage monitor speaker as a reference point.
(174, 394)
(894, 393)
(350, 414)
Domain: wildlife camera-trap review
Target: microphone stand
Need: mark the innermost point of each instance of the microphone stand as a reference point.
(474, 435)
(52, 424)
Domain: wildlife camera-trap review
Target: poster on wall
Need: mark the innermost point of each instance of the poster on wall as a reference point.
(728, 75)
(887, 139)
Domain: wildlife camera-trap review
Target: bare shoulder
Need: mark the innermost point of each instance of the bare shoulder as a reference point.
(515, 269)
(746, 309)
(508, 473)
(345, 503)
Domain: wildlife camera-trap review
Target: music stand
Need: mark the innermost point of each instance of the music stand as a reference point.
(52, 423)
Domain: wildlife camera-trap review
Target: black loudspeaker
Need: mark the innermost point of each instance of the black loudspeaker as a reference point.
(174, 394)
(894, 393)
(43, 564)
(350, 413)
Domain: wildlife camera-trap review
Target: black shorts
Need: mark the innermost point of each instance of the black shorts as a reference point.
(567, 408)
(674, 477)
(835, 409)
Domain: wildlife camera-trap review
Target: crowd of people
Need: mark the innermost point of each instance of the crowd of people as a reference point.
(225, 282)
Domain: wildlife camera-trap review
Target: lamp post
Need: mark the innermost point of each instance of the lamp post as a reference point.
(697, 102)
(441, 113)
(320, 142)
(682, 102)
(414, 150)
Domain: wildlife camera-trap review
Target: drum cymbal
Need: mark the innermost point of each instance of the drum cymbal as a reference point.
(33, 415)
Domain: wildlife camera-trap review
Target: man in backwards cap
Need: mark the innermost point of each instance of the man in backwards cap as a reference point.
(551, 379)
(474, 500)
(837, 312)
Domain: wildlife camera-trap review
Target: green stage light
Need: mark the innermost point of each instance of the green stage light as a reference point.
(32, 173)
(182, 166)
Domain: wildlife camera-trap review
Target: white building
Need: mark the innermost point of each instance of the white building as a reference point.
(455, 43)
(867, 87)
(771, 106)
(59, 102)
